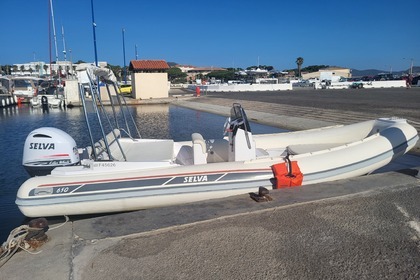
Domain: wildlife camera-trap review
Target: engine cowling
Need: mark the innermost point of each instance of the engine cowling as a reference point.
(47, 148)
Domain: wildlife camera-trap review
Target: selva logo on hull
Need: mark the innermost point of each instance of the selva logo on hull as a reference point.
(195, 179)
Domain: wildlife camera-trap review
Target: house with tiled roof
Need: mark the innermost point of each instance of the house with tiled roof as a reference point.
(149, 79)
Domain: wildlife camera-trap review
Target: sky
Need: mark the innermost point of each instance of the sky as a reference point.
(358, 34)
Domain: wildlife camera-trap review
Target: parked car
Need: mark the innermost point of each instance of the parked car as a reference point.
(415, 81)
(125, 89)
(384, 77)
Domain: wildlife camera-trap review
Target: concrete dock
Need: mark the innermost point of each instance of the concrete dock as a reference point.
(360, 228)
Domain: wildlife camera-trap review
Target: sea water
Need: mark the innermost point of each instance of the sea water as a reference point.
(154, 121)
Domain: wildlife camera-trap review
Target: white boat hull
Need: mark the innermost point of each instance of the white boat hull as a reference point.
(322, 155)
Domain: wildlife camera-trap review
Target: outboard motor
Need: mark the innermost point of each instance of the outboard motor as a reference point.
(44, 104)
(47, 148)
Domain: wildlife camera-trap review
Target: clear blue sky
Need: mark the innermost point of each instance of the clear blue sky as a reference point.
(360, 34)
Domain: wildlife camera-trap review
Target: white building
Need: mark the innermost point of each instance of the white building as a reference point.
(328, 72)
(40, 68)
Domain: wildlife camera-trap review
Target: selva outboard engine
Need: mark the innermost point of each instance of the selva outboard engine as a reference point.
(47, 148)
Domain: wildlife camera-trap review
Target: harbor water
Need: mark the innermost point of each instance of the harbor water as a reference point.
(154, 121)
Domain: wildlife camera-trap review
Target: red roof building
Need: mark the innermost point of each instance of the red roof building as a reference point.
(149, 79)
(148, 66)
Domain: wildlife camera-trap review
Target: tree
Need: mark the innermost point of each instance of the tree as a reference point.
(15, 68)
(118, 71)
(45, 68)
(222, 75)
(313, 68)
(7, 68)
(299, 62)
(31, 70)
(175, 73)
(22, 68)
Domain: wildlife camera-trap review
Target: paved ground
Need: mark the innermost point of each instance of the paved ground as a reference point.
(360, 228)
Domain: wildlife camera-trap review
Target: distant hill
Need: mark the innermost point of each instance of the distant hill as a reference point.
(367, 72)
(373, 72)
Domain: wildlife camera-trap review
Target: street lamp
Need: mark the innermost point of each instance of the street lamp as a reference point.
(71, 64)
(125, 69)
(137, 56)
(411, 65)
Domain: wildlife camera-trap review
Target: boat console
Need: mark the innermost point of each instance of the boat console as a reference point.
(241, 143)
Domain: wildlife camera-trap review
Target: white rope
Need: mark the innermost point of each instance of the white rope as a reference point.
(56, 227)
(13, 243)
(16, 240)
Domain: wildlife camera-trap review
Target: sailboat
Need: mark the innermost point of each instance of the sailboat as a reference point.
(50, 93)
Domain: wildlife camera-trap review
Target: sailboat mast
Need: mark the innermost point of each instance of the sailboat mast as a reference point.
(49, 37)
(64, 44)
(55, 35)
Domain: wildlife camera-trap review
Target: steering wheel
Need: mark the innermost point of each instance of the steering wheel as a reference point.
(226, 126)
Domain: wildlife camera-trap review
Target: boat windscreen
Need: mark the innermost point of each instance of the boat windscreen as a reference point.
(238, 113)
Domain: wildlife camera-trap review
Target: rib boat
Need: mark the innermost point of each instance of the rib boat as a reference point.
(120, 172)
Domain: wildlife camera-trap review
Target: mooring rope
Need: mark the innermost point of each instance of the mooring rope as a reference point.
(16, 240)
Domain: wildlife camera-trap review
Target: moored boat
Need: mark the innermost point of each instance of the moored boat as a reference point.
(120, 173)
(50, 94)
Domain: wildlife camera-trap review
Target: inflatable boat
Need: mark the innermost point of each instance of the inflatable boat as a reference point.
(120, 173)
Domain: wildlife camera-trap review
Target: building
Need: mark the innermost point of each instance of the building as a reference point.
(327, 72)
(149, 79)
(41, 68)
(194, 73)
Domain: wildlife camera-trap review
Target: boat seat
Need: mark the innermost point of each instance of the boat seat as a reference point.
(185, 155)
(199, 149)
(310, 148)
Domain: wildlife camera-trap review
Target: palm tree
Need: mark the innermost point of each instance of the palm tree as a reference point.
(22, 68)
(45, 68)
(299, 62)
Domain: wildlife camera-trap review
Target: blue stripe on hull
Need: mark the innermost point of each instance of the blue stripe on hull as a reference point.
(147, 187)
